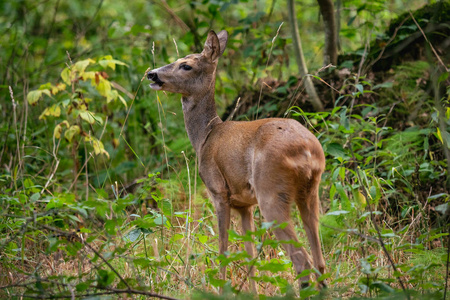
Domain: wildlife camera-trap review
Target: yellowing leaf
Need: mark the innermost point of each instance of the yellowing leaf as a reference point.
(66, 75)
(111, 63)
(58, 88)
(97, 145)
(359, 198)
(58, 129)
(103, 87)
(439, 136)
(112, 95)
(88, 75)
(71, 132)
(53, 110)
(115, 142)
(87, 116)
(34, 96)
(123, 101)
(81, 65)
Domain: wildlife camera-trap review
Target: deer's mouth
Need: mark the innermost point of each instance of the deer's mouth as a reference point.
(157, 83)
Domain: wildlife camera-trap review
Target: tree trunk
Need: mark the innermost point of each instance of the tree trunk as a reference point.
(330, 50)
(303, 70)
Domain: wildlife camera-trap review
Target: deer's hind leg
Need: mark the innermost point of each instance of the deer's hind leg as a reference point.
(307, 201)
(275, 206)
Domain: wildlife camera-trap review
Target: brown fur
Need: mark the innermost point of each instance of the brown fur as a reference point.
(269, 162)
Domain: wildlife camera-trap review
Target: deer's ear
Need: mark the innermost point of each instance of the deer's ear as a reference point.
(223, 39)
(212, 49)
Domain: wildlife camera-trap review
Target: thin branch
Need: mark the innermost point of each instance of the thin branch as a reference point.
(431, 46)
(174, 16)
(387, 44)
(249, 270)
(353, 232)
(73, 236)
(265, 69)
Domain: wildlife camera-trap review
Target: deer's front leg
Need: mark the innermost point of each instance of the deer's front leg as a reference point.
(223, 219)
(248, 225)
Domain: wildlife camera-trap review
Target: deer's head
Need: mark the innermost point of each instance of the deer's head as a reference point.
(193, 74)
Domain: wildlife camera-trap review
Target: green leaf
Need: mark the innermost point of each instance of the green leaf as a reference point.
(110, 227)
(202, 239)
(166, 207)
(443, 208)
(337, 213)
(70, 133)
(336, 150)
(383, 287)
(87, 116)
(176, 237)
(133, 235)
(386, 85)
(142, 262)
(104, 278)
(274, 266)
(82, 286)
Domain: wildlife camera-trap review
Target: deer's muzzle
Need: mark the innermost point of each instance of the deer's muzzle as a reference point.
(157, 82)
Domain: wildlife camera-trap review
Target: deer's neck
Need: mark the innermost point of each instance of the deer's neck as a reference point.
(200, 116)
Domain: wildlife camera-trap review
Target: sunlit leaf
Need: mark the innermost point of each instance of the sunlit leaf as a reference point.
(58, 88)
(53, 110)
(111, 63)
(34, 96)
(87, 116)
(81, 65)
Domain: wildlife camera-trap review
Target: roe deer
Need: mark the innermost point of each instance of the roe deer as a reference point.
(269, 162)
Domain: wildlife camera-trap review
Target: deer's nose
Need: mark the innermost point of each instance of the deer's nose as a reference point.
(152, 76)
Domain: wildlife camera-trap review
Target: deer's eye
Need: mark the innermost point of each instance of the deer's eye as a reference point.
(185, 67)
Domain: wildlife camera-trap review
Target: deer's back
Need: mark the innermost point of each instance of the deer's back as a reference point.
(235, 154)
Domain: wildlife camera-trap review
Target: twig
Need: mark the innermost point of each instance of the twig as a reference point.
(267, 64)
(431, 46)
(188, 232)
(176, 18)
(79, 172)
(230, 117)
(354, 232)
(73, 236)
(387, 44)
(11, 93)
(51, 176)
(249, 270)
